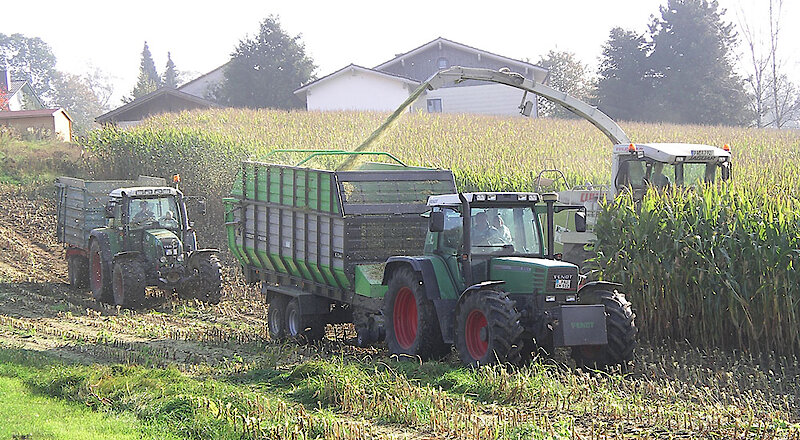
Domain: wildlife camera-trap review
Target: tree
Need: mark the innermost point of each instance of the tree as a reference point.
(170, 74)
(266, 69)
(29, 58)
(77, 95)
(692, 63)
(568, 75)
(622, 87)
(149, 80)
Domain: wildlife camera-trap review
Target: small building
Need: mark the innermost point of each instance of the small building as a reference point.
(163, 100)
(44, 122)
(359, 88)
(204, 86)
(17, 95)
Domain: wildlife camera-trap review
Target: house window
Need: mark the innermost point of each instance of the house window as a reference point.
(443, 64)
(435, 105)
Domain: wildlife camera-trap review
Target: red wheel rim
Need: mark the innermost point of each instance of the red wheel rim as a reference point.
(477, 344)
(405, 318)
(96, 271)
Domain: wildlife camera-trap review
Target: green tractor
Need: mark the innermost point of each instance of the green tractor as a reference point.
(121, 239)
(489, 283)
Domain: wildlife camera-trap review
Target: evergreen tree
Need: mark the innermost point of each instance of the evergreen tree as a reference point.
(149, 80)
(693, 64)
(623, 86)
(170, 74)
(265, 70)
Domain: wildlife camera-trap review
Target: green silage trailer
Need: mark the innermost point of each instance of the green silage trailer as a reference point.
(313, 237)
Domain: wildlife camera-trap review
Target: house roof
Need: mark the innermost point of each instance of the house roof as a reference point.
(149, 97)
(415, 51)
(355, 67)
(18, 114)
(15, 87)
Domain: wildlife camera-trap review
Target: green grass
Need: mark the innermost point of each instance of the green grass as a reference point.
(25, 414)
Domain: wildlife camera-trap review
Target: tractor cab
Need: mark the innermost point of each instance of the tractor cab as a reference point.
(664, 165)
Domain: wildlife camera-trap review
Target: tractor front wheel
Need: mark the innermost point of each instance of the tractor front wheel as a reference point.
(128, 283)
(209, 287)
(621, 330)
(412, 327)
(488, 330)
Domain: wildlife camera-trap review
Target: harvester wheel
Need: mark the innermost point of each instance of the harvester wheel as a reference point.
(488, 330)
(99, 276)
(621, 336)
(276, 316)
(78, 268)
(300, 327)
(128, 283)
(412, 327)
(210, 285)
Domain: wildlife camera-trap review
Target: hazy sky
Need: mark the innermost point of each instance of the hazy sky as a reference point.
(201, 36)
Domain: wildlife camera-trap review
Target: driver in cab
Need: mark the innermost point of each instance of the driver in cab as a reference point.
(145, 214)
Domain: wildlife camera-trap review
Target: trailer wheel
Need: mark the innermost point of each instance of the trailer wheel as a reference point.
(488, 330)
(276, 316)
(621, 330)
(128, 283)
(412, 327)
(301, 327)
(78, 269)
(99, 276)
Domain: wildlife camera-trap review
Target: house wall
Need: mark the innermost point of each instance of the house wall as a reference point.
(422, 65)
(21, 125)
(357, 91)
(486, 99)
(62, 127)
(203, 86)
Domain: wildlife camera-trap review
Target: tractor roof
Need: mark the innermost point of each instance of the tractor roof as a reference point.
(669, 152)
(144, 191)
(484, 197)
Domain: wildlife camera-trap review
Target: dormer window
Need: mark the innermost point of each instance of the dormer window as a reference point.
(443, 64)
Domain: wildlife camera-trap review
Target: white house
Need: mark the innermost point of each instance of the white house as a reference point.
(387, 85)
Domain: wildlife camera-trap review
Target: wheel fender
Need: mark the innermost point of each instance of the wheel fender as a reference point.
(126, 255)
(480, 286)
(193, 255)
(101, 237)
(587, 289)
(420, 265)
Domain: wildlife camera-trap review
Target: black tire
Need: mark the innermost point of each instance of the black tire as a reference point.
(99, 275)
(128, 283)
(209, 288)
(78, 269)
(302, 328)
(405, 301)
(488, 330)
(621, 330)
(276, 317)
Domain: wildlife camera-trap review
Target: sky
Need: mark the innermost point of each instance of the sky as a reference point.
(201, 36)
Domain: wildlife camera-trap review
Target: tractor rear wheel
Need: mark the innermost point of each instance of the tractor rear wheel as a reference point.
(99, 276)
(412, 327)
(621, 330)
(276, 316)
(128, 283)
(78, 269)
(487, 329)
(300, 327)
(209, 287)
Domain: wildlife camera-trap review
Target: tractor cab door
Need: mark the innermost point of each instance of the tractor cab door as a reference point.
(448, 244)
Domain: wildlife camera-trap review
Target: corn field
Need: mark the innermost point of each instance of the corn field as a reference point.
(715, 265)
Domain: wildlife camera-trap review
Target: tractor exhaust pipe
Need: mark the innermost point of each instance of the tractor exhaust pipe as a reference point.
(550, 199)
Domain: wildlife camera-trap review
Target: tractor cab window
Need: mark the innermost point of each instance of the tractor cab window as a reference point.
(506, 231)
(451, 238)
(161, 212)
(638, 173)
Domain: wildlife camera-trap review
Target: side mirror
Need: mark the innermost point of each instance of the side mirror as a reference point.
(201, 206)
(527, 108)
(109, 213)
(436, 221)
(580, 222)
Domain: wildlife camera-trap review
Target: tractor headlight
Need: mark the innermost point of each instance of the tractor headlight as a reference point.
(480, 197)
(550, 298)
(180, 257)
(163, 259)
(571, 298)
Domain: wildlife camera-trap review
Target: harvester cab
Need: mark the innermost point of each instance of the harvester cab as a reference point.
(499, 292)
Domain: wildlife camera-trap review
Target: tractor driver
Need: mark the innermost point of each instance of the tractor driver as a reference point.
(503, 233)
(144, 214)
(482, 231)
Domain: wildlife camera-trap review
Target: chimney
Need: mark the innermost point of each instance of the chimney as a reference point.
(4, 82)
